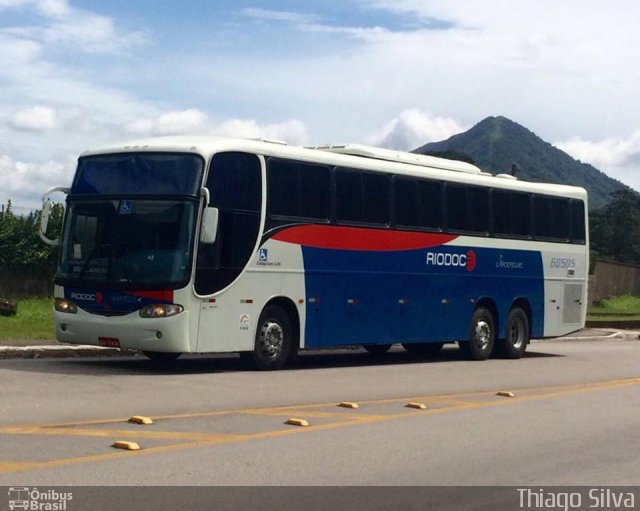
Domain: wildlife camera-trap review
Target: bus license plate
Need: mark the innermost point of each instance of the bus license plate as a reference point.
(109, 342)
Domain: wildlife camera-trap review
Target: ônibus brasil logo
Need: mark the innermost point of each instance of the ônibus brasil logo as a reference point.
(32, 499)
(467, 260)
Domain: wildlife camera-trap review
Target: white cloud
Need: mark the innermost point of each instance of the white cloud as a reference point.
(618, 157)
(272, 15)
(413, 128)
(25, 182)
(195, 122)
(170, 123)
(293, 132)
(37, 118)
(81, 30)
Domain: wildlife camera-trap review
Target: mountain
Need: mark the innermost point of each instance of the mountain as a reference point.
(497, 143)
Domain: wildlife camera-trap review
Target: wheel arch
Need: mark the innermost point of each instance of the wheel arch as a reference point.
(287, 305)
(490, 305)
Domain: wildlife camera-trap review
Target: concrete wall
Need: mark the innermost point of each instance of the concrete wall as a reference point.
(13, 285)
(613, 279)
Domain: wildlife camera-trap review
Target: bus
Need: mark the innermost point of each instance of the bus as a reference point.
(179, 245)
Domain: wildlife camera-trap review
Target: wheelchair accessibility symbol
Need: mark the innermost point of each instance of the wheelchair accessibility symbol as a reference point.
(263, 255)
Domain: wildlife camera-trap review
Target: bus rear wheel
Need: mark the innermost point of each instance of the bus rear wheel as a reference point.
(517, 335)
(482, 336)
(274, 340)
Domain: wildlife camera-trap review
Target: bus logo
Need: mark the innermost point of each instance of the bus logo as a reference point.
(18, 498)
(449, 259)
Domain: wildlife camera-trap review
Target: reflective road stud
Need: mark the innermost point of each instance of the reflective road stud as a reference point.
(505, 393)
(139, 419)
(417, 406)
(129, 446)
(348, 404)
(297, 422)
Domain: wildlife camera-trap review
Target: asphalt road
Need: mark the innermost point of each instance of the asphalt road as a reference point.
(574, 420)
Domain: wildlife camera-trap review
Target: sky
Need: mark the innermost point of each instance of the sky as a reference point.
(78, 74)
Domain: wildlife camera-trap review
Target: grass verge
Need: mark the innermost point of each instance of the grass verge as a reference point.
(34, 320)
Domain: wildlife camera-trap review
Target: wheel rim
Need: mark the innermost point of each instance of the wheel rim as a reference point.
(482, 334)
(271, 339)
(516, 333)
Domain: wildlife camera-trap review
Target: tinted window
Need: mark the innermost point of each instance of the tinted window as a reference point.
(511, 213)
(456, 207)
(577, 221)
(297, 189)
(283, 179)
(315, 191)
(234, 181)
(430, 200)
(406, 201)
(139, 174)
(560, 219)
(235, 187)
(501, 213)
(348, 196)
(477, 210)
(520, 214)
(542, 217)
(375, 198)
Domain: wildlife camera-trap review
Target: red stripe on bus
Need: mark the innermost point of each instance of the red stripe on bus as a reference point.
(355, 238)
(163, 296)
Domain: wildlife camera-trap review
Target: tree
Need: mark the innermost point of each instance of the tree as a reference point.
(615, 228)
(21, 249)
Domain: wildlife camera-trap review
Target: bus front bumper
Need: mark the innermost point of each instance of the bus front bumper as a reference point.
(170, 335)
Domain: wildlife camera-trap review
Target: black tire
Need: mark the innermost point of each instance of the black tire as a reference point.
(274, 344)
(517, 334)
(377, 350)
(423, 349)
(482, 336)
(161, 356)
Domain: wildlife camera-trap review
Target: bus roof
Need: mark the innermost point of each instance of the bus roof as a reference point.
(347, 155)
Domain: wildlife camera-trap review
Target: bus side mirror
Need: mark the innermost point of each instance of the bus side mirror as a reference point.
(209, 228)
(47, 204)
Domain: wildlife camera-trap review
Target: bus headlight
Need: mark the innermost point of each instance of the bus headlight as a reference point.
(160, 310)
(64, 305)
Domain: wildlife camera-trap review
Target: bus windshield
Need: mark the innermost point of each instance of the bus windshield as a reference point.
(128, 243)
(139, 174)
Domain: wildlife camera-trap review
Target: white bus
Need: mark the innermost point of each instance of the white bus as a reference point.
(185, 245)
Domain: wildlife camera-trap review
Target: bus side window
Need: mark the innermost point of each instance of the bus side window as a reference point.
(501, 213)
(348, 195)
(561, 219)
(542, 227)
(520, 214)
(375, 198)
(577, 222)
(456, 207)
(430, 204)
(235, 185)
(406, 201)
(477, 210)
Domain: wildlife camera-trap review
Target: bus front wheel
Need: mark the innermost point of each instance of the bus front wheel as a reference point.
(482, 335)
(274, 340)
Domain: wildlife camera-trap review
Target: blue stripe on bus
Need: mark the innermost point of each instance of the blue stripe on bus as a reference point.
(366, 297)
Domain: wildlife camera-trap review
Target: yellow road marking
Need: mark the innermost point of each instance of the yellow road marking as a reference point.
(204, 439)
(163, 435)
